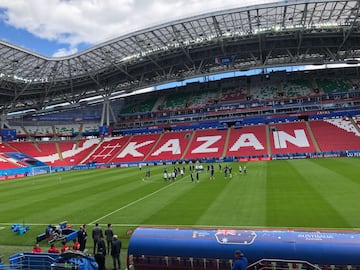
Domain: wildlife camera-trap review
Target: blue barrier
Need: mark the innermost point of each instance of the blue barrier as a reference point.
(51, 261)
(28, 260)
(202, 248)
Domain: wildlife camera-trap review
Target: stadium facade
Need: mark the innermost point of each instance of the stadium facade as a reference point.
(293, 61)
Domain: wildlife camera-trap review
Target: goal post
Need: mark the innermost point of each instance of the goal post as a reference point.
(40, 170)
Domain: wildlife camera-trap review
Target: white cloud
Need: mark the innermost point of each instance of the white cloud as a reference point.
(74, 22)
(64, 52)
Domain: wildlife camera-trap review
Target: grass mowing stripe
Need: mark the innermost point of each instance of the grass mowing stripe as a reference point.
(234, 204)
(347, 167)
(338, 190)
(132, 203)
(78, 195)
(293, 202)
(154, 210)
(84, 196)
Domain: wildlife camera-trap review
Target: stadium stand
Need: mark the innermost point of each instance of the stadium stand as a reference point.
(290, 138)
(247, 141)
(297, 88)
(10, 161)
(78, 153)
(59, 153)
(326, 85)
(6, 163)
(233, 94)
(47, 148)
(204, 98)
(263, 90)
(20, 132)
(89, 129)
(108, 148)
(344, 124)
(67, 130)
(332, 138)
(29, 148)
(176, 101)
(231, 118)
(39, 131)
(6, 147)
(66, 145)
(136, 148)
(140, 103)
(170, 146)
(208, 143)
(356, 121)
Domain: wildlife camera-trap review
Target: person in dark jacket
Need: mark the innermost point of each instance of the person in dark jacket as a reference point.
(96, 234)
(100, 259)
(115, 251)
(109, 233)
(101, 245)
(82, 237)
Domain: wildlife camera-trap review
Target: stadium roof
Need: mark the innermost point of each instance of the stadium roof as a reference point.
(261, 36)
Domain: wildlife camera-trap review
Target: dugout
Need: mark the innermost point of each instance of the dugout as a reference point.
(200, 248)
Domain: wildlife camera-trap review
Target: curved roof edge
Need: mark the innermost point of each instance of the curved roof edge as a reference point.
(165, 24)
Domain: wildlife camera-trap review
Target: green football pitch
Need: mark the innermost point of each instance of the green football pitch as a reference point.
(308, 193)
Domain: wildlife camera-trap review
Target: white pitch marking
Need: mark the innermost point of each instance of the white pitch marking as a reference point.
(132, 203)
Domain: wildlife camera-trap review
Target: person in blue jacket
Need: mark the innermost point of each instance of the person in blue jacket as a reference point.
(240, 261)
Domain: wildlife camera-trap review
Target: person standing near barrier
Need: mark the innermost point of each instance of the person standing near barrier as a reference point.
(96, 234)
(101, 245)
(109, 233)
(240, 261)
(82, 237)
(115, 251)
(100, 259)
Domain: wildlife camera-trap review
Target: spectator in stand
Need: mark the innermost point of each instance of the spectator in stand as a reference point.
(96, 234)
(115, 251)
(36, 248)
(64, 247)
(109, 233)
(53, 249)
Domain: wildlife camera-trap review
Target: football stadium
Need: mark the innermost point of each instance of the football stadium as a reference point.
(237, 129)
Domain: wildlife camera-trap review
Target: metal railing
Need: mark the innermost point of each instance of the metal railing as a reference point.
(278, 264)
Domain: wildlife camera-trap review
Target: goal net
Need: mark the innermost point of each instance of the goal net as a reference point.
(40, 170)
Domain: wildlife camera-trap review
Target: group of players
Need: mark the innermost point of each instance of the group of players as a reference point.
(195, 170)
(172, 175)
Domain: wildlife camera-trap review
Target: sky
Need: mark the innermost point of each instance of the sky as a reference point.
(56, 28)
